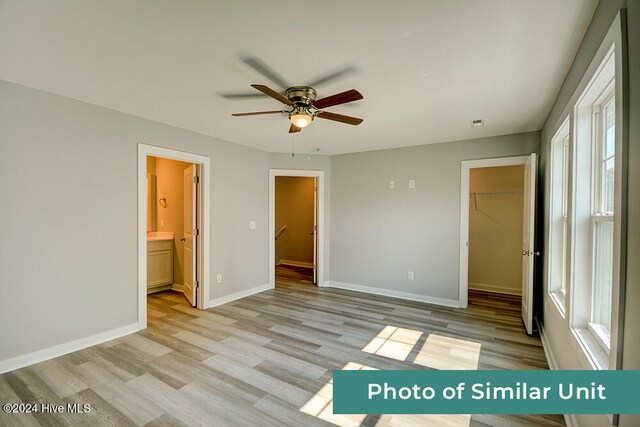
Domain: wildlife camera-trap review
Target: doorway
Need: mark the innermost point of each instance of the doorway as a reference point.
(497, 220)
(172, 211)
(295, 239)
(296, 226)
(173, 225)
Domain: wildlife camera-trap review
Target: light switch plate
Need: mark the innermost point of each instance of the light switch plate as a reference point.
(410, 275)
(412, 183)
(218, 278)
(252, 225)
(392, 184)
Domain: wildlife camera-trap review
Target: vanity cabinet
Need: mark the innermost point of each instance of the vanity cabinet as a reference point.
(159, 263)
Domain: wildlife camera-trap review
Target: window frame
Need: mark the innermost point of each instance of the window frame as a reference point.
(558, 259)
(601, 335)
(590, 339)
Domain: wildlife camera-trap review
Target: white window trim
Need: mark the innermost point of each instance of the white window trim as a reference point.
(556, 292)
(585, 339)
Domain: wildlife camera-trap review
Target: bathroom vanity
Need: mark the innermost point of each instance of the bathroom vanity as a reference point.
(159, 261)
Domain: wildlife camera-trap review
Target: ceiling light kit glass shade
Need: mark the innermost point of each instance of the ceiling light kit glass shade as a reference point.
(301, 118)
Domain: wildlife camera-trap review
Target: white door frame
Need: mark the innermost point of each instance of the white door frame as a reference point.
(465, 168)
(272, 220)
(204, 163)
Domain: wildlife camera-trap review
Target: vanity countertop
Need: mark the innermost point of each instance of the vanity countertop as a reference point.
(156, 236)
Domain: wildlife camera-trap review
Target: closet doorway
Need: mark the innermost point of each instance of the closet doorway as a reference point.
(497, 232)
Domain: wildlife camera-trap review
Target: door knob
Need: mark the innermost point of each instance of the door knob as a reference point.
(527, 252)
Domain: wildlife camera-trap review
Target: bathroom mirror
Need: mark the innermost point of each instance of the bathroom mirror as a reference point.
(151, 202)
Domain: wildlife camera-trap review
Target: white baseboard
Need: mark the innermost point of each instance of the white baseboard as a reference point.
(158, 289)
(295, 263)
(395, 294)
(569, 419)
(493, 288)
(546, 346)
(66, 348)
(177, 287)
(237, 295)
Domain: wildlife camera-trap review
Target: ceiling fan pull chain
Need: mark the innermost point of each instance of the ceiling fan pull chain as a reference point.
(293, 137)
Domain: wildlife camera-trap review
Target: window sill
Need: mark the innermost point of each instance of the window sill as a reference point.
(593, 351)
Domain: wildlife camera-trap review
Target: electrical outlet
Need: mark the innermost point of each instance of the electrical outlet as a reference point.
(218, 278)
(392, 184)
(410, 275)
(412, 183)
(252, 225)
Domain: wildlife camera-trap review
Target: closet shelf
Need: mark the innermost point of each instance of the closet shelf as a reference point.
(475, 195)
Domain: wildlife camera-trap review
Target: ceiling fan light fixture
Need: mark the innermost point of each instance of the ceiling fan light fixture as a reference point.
(301, 119)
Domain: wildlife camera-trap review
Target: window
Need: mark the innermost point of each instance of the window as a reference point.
(602, 220)
(593, 220)
(559, 226)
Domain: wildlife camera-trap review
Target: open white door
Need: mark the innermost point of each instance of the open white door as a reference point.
(191, 233)
(528, 236)
(315, 230)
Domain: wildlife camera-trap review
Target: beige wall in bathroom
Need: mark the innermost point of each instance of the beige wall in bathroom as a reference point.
(294, 208)
(495, 229)
(169, 178)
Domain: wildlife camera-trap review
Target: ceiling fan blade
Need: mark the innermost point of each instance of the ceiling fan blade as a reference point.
(241, 95)
(265, 70)
(355, 121)
(339, 98)
(257, 113)
(294, 129)
(333, 76)
(272, 93)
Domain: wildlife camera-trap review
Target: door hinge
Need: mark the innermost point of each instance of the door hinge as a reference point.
(196, 179)
(196, 284)
(196, 232)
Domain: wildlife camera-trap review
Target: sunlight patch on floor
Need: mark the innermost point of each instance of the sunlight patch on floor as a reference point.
(440, 352)
(393, 342)
(321, 404)
(402, 420)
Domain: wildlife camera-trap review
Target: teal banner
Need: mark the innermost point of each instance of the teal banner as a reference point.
(486, 392)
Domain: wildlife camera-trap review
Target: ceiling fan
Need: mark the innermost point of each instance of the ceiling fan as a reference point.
(304, 107)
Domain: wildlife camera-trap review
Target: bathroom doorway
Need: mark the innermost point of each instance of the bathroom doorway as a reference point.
(173, 225)
(171, 199)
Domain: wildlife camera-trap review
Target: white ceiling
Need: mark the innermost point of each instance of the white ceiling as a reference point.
(425, 68)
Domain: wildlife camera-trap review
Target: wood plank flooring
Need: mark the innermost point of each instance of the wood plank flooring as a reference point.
(268, 360)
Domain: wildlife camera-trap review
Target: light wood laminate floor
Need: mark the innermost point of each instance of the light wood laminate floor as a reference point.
(268, 359)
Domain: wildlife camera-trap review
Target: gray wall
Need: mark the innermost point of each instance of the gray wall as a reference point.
(560, 336)
(68, 188)
(379, 234)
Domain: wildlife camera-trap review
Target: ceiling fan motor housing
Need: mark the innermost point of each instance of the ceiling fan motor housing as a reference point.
(302, 95)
